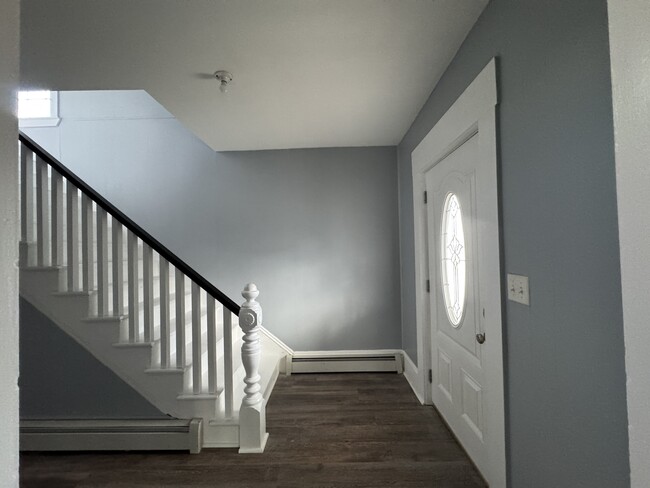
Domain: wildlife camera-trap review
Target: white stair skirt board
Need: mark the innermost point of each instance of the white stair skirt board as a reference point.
(276, 344)
(111, 435)
(347, 361)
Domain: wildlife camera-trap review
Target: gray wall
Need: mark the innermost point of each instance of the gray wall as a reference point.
(9, 235)
(74, 384)
(315, 229)
(565, 380)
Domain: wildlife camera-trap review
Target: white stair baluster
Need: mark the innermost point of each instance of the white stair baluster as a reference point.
(57, 218)
(26, 203)
(252, 415)
(179, 282)
(87, 254)
(147, 291)
(42, 214)
(227, 361)
(164, 313)
(102, 262)
(133, 281)
(197, 366)
(72, 236)
(117, 255)
(212, 346)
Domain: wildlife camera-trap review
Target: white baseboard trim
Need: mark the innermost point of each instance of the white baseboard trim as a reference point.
(221, 434)
(111, 435)
(378, 360)
(412, 375)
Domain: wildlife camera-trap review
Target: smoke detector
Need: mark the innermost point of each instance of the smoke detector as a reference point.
(224, 78)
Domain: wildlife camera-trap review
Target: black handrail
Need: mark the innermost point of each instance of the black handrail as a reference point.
(130, 225)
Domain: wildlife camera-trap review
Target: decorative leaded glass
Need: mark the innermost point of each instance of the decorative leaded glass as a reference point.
(452, 243)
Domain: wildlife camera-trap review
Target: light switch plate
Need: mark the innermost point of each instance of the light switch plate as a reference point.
(518, 289)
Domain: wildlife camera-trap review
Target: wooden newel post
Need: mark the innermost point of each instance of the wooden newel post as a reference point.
(252, 414)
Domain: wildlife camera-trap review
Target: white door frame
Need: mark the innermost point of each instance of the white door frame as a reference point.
(474, 112)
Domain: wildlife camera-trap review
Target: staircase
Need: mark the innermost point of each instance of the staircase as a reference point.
(140, 310)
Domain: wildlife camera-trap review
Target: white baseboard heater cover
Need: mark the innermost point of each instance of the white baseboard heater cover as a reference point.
(111, 435)
(346, 362)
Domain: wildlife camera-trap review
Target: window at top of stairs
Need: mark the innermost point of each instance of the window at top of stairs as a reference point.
(39, 108)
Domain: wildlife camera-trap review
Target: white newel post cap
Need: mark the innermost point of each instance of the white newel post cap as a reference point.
(250, 292)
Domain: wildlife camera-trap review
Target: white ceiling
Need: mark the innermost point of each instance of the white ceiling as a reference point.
(307, 73)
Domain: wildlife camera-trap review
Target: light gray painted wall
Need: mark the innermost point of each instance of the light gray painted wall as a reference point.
(315, 229)
(74, 384)
(630, 51)
(320, 227)
(565, 379)
(9, 235)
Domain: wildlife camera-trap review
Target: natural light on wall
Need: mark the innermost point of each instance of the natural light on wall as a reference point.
(38, 108)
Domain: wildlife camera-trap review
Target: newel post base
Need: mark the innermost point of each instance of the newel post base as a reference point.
(252, 413)
(252, 429)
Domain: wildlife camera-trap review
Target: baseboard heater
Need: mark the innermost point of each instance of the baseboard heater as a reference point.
(346, 362)
(111, 435)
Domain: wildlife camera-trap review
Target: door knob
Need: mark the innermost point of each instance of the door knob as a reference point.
(480, 338)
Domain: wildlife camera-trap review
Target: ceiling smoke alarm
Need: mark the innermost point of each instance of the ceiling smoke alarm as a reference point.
(224, 78)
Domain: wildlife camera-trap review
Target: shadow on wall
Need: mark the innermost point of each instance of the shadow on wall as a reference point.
(74, 385)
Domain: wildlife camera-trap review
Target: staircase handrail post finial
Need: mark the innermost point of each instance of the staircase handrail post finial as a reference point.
(252, 414)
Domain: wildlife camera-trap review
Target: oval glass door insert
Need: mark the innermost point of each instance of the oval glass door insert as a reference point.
(452, 244)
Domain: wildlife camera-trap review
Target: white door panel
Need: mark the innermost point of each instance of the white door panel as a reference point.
(456, 312)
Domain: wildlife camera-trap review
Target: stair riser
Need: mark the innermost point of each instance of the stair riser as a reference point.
(48, 280)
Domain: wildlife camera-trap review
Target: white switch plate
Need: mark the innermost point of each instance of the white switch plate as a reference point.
(518, 289)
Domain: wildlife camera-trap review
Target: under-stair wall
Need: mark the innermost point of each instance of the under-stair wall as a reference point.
(74, 385)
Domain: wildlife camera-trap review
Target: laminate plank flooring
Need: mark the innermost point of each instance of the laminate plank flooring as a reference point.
(362, 430)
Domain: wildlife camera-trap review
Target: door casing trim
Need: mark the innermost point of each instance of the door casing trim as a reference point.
(474, 112)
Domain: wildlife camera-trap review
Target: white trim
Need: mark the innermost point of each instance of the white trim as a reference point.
(39, 122)
(285, 365)
(276, 340)
(115, 117)
(629, 45)
(474, 112)
(222, 433)
(347, 361)
(412, 376)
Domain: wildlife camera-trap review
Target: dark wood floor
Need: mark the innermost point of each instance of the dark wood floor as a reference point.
(328, 430)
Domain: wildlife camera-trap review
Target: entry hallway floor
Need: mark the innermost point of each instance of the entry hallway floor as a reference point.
(362, 430)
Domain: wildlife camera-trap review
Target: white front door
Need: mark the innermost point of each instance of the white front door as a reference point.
(463, 264)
